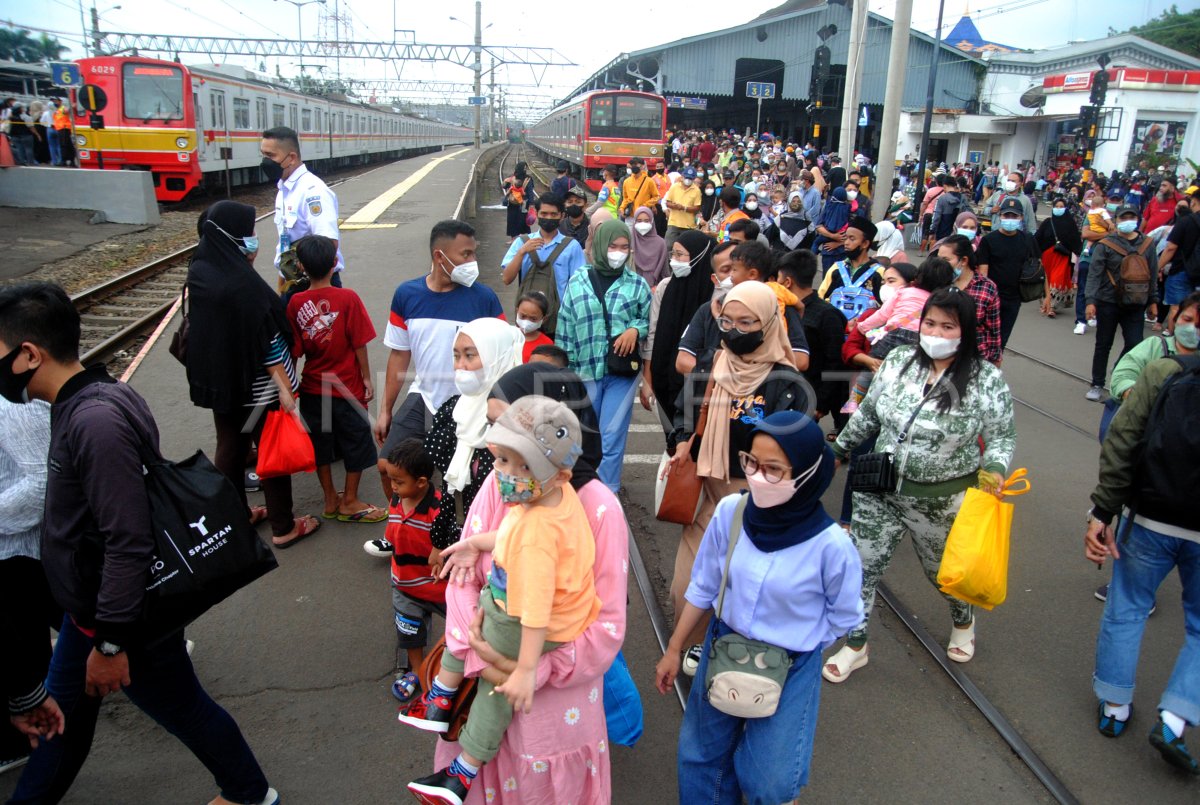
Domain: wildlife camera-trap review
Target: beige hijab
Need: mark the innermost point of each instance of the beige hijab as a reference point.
(740, 375)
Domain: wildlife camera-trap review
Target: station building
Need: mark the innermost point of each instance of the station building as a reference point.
(992, 101)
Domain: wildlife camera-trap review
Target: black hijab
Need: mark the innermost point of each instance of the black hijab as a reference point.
(564, 386)
(679, 303)
(233, 315)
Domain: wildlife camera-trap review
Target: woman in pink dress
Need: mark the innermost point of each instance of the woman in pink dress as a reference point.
(559, 752)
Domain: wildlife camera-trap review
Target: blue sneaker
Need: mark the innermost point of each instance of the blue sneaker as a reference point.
(1112, 727)
(1172, 748)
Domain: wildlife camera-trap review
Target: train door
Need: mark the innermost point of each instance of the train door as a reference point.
(201, 140)
(221, 137)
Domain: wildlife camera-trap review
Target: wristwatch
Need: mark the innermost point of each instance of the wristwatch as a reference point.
(109, 649)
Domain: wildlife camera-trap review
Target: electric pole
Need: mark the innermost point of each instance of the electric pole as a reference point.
(858, 36)
(95, 32)
(478, 66)
(930, 91)
(492, 103)
(889, 135)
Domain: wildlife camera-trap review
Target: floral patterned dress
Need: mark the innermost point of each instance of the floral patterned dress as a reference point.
(558, 754)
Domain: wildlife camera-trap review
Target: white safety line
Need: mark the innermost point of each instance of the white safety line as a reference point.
(643, 458)
(150, 342)
(380, 204)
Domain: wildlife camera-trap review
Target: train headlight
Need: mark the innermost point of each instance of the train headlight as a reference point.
(596, 148)
(181, 142)
(80, 140)
(654, 149)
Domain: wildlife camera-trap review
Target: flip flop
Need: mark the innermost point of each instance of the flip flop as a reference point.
(333, 515)
(371, 514)
(831, 437)
(303, 530)
(258, 514)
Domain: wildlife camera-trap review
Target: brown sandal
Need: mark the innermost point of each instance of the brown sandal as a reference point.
(306, 526)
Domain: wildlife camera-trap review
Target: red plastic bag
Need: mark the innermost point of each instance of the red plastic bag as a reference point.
(284, 447)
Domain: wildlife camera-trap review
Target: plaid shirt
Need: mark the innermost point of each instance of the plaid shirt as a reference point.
(580, 328)
(987, 316)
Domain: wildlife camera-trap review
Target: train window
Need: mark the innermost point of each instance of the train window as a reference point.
(217, 101)
(293, 116)
(241, 113)
(260, 114)
(306, 119)
(277, 115)
(153, 92)
(627, 116)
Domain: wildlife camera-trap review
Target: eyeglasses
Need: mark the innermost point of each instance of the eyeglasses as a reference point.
(743, 325)
(774, 473)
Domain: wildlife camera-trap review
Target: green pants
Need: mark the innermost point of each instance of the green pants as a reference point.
(880, 521)
(490, 715)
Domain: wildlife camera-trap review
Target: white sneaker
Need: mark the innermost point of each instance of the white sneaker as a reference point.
(691, 660)
(1095, 393)
(1092, 323)
(1080, 328)
(378, 547)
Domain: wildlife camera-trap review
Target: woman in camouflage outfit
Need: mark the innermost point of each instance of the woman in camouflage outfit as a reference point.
(959, 399)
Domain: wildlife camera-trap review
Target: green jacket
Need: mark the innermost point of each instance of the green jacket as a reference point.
(1130, 367)
(1115, 488)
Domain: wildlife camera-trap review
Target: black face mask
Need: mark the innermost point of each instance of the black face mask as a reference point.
(549, 224)
(742, 343)
(12, 385)
(273, 169)
(857, 253)
(635, 169)
(574, 210)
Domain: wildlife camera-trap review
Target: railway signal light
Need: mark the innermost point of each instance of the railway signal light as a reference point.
(1099, 88)
(821, 60)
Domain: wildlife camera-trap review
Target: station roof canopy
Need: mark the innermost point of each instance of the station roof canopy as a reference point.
(778, 46)
(1125, 50)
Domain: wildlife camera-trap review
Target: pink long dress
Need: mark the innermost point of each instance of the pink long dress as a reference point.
(557, 754)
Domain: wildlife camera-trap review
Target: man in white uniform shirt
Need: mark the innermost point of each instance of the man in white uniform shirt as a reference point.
(304, 204)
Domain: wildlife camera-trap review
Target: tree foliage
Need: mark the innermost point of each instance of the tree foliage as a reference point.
(17, 44)
(1171, 29)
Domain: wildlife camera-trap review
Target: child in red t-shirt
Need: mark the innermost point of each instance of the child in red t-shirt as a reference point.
(532, 309)
(332, 330)
(417, 592)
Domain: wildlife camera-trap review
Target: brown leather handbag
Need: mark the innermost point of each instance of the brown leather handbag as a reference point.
(462, 699)
(681, 497)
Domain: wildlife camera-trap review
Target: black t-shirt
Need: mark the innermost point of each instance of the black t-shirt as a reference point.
(1004, 255)
(1186, 237)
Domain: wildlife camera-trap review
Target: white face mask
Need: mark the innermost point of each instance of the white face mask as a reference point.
(752, 205)
(643, 227)
(528, 325)
(887, 293)
(708, 191)
(681, 268)
(851, 195)
(617, 259)
(687, 182)
(725, 286)
(1010, 186)
(464, 274)
(939, 348)
(468, 382)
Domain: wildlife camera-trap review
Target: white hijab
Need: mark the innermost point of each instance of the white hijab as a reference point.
(499, 345)
(889, 238)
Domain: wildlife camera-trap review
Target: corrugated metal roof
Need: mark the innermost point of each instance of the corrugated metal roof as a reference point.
(705, 65)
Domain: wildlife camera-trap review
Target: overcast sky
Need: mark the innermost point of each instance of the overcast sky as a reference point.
(626, 25)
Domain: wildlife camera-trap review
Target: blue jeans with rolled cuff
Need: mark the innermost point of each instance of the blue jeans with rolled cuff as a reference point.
(164, 686)
(1147, 557)
(723, 759)
(612, 397)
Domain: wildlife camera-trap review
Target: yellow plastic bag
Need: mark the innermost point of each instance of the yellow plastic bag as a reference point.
(975, 563)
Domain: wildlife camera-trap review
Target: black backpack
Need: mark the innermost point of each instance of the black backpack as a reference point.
(1166, 474)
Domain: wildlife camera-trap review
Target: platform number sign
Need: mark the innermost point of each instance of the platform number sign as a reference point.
(764, 90)
(65, 75)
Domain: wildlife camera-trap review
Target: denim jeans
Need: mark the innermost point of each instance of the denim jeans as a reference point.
(723, 758)
(1109, 316)
(22, 148)
(164, 687)
(612, 397)
(1080, 292)
(1146, 559)
(55, 147)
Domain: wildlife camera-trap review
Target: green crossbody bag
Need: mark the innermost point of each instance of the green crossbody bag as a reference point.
(745, 677)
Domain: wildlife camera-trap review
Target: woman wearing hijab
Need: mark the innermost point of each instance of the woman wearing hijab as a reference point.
(675, 301)
(831, 228)
(752, 377)
(794, 225)
(967, 225)
(239, 361)
(484, 349)
(1059, 241)
(606, 309)
(891, 244)
(559, 751)
(708, 202)
(793, 578)
(648, 247)
(519, 197)
(597, 217)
